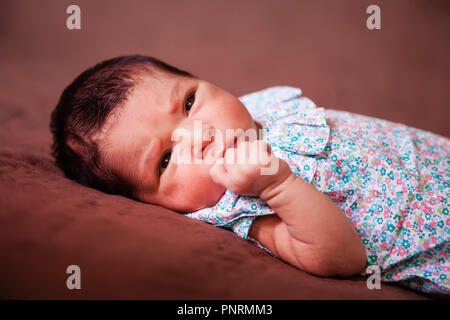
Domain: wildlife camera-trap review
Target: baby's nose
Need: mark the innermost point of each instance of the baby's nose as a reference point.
(191, 141)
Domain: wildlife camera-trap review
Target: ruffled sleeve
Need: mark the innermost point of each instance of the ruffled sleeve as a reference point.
(297, 132)
(294, 127)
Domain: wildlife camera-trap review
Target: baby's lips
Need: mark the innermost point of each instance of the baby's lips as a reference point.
(216, 150)
(212, 152)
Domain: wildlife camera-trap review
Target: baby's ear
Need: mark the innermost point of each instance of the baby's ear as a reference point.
(77, 146)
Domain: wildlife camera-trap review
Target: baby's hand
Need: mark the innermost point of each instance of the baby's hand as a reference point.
(249, 169)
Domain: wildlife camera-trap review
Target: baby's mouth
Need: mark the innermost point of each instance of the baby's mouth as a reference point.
(232, 143)
(213, 151)
(216, 149)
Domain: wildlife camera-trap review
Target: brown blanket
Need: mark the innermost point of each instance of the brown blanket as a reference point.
(127, 249)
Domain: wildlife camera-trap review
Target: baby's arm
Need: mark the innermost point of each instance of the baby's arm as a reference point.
(309, 230)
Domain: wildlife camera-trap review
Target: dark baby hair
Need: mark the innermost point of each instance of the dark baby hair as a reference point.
(82, 110)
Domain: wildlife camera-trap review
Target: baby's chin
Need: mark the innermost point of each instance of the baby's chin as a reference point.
(214, 202)
(199, 206)
(188, 202)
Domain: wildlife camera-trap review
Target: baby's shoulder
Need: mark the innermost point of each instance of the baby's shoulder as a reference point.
(276, 99)
(272, 94)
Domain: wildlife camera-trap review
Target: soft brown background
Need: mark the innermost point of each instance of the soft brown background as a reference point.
(128, 249)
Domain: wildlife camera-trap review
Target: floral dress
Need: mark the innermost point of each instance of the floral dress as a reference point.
(389, 179)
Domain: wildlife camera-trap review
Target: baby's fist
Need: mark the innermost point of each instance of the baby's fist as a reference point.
(249, 168)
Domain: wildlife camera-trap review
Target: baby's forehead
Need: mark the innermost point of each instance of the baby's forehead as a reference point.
(148, 91)
(153, 86)
(127, 125)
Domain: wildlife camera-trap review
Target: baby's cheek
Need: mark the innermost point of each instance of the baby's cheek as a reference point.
(199, 189)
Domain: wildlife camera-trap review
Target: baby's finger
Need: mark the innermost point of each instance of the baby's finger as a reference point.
(230, 157)
(243, 152)
(233, 159)
(218, 173)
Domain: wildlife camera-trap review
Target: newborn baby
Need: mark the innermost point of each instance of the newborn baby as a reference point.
(331, 193)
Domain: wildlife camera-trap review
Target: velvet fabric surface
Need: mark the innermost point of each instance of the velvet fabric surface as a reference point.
(132, 250)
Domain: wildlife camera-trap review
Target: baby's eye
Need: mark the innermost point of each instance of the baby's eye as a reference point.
(164, 162)
(189, 101)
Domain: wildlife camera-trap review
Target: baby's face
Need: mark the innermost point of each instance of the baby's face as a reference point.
(140, 144)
